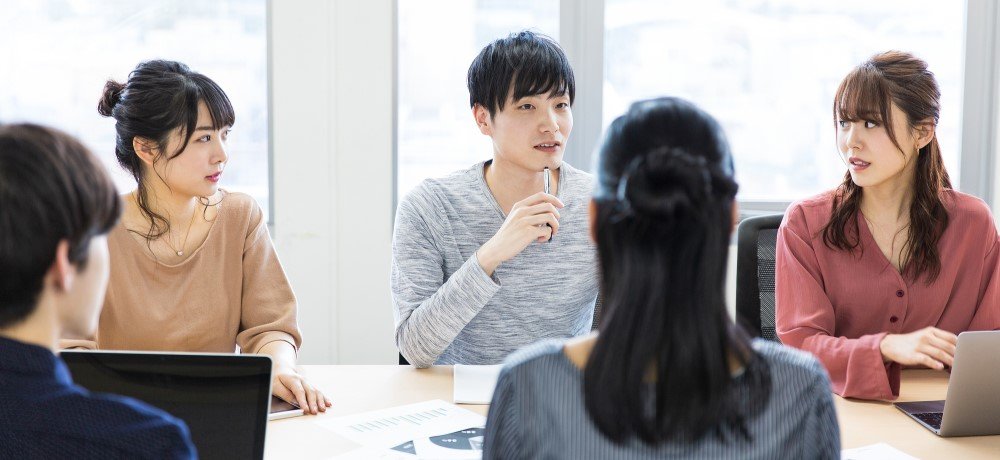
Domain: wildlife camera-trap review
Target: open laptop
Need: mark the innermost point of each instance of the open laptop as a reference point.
(223, 398)
(972, 405)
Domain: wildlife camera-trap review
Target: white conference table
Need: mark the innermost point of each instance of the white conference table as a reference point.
(356, 389)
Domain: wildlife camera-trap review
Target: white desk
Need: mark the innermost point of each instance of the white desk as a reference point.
(357, 389)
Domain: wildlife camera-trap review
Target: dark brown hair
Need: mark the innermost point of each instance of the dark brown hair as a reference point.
(159, 97)
(51, 189)
(868, 93)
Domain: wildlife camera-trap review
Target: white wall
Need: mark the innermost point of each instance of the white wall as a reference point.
(332, 97)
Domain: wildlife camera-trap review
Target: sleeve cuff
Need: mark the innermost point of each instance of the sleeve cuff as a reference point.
(66, 344)
(265, 338)
(885, 380)
(894, 373)
(480, 276)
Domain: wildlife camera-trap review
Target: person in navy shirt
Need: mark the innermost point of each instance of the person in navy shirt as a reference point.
(56, 206)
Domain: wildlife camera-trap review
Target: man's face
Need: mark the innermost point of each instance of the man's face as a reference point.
(530, 132)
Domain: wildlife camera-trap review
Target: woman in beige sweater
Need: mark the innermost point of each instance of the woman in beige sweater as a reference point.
(192, 266)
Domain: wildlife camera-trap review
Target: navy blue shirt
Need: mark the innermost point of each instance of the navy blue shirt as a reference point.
(44, 415)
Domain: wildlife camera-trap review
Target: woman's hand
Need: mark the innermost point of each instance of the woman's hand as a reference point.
(292, 387)
(930, 346)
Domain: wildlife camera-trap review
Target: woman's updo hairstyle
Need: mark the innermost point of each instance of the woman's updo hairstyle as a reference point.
(111, 97)
(649, 173)
(663, 218)
(159, 97)
(669, 181)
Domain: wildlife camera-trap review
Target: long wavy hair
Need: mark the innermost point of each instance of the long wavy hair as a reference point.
(868, 93)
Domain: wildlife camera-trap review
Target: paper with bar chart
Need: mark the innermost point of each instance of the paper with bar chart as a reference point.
(430, 429)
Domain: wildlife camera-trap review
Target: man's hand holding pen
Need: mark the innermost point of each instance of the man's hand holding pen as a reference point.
(535, 218)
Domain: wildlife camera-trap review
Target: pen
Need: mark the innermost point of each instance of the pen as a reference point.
(546, 177)
(546, 174)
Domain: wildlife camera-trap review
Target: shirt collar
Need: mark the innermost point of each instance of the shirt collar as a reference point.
(27, 359)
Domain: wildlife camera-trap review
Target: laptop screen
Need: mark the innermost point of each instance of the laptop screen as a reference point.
(222, 398)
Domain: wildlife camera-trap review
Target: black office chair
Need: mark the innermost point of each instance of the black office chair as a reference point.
(597, 320)
(756, 238)
(597, 312)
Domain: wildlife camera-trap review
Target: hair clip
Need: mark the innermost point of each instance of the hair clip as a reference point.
(623, 206)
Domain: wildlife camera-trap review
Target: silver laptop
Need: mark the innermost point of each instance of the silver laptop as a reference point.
(972, 407)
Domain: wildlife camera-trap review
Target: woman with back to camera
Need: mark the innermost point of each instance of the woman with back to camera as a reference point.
(668, 374)
(883, 271)
(193, 266)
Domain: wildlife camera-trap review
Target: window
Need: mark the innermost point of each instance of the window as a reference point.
(768, 70)
(58, 55)
(437, 42)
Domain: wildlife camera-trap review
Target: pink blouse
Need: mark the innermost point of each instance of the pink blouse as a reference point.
(839, 305)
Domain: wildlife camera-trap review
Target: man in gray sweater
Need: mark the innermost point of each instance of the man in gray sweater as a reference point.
(484, 261)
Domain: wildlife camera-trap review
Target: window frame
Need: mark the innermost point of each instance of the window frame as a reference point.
(581, 33)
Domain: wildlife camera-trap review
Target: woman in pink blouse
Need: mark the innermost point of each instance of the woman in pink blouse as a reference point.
(886, 269)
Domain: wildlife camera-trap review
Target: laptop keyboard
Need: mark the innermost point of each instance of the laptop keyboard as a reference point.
(931, 418)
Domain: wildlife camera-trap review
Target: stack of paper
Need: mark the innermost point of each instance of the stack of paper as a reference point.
(880, 451)
(475, 384)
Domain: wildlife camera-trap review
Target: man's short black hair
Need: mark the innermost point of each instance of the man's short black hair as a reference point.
(51, 189)
(523, 64)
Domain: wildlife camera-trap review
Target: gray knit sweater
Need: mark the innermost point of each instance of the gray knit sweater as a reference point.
(448, 311)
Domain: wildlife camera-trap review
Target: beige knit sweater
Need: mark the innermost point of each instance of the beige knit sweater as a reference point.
(230, 292)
